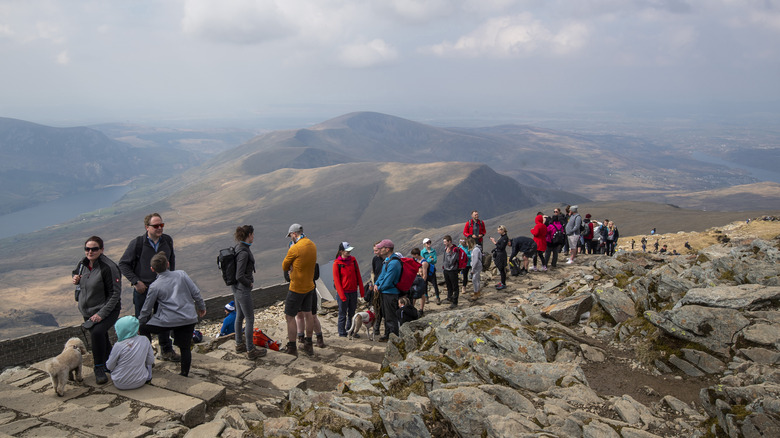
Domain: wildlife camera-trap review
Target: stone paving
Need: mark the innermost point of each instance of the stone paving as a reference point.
(219, 377)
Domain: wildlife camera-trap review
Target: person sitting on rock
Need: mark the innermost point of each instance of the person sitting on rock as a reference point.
(406, 312)
(229, 323)
(132, 357)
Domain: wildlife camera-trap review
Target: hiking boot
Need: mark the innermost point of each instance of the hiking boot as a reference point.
(320, 341)
(291, 348)
(171, 356)
(240, 348)
(256, 353)
(438, 301)
(384, 338)
(308, 347)
(300, 340)
(422, 313)
(500, 286)
(453, 305)
(100, 375)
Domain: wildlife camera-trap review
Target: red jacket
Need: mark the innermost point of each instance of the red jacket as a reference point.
(468, 229)
(346, 277)
(539, 231)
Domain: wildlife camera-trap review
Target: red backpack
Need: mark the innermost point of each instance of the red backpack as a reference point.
(409, 268)
(262, 340)
(463, 258)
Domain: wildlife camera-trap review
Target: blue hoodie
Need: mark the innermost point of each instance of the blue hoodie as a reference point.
(390, 275)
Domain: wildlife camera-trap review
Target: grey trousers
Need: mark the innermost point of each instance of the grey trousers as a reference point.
(242, 296)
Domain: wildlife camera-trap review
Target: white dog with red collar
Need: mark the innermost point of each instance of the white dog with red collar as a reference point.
(359, 320)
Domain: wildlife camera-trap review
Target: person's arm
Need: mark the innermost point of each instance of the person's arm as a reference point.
(127, 263)
(337, 281)
(200, 305)
(151, 299)
(113, 287)
(242, 258)
(425, 266)
(482, 230)
(466, 231)
(359, 278)
(113, 358)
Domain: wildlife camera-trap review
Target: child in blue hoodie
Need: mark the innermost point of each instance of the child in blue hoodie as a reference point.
(229, 323)
(131, 357)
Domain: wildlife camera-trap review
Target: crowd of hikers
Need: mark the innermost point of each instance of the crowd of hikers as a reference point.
(167, 301)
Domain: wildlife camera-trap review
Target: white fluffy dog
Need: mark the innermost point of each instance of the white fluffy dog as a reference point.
(65, 364)
(362, 318)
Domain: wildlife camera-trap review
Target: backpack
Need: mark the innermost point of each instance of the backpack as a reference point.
(419, 288)
(487, 260)
(226, 262)
(559, 237)
(514, 267)
(463, 258)
(262, 340)
(409, 268)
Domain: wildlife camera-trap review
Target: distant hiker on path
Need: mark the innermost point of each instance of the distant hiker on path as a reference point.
(429, 254)
(135, 266)
(299, 262)
(644, 244)
(475, 228)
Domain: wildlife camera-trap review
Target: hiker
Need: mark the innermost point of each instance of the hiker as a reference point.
(376, 299)
(347, 280)
(173, 303)
(499, 254)
(429, 254)
(299, 264)
(588, 238)
(474, 228)
(465, 271)
(406, 311)
(573, 233)
(135, 263)
(556, 235)
(424, 271)
(643, 241)
(242, 293)
(612, 238)
(98, 294)
(451, 260)
(385, 285)
(476, 264)
(525, 246)
(132, 357)
(539, 233)
(229, 323)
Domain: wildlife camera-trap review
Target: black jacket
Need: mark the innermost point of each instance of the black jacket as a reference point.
(135, 263)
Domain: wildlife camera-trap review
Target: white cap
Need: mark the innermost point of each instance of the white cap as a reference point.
(426, 240)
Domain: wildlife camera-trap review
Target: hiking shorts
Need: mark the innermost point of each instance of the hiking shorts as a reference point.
(296, 302)
(574, 239)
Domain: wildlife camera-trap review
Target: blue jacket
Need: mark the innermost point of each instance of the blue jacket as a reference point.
(389, 277)
(228, 324)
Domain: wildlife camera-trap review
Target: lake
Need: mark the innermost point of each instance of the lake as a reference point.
(759, 174)
(59, 211)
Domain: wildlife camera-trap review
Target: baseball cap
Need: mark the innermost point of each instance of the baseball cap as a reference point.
(345, 246)
(294, 228)
(426, 240)
(386, 243)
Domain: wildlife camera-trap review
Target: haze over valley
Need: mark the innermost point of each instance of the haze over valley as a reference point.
(362, 177)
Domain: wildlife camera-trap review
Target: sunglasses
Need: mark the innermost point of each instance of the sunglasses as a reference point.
(157, 226)
(91, 248)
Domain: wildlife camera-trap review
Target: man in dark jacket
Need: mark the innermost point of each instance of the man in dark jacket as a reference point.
(135, 265)
(523, 245)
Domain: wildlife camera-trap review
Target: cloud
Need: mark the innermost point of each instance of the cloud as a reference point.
(514, 36)
(63, 58)
(373, 53)
(237, 22)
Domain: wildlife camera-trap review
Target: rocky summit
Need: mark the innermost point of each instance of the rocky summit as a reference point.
(635, 345)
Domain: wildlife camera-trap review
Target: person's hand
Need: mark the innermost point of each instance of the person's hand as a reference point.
(76, 279)
(140, 287)
(95, 318)
(202, 313)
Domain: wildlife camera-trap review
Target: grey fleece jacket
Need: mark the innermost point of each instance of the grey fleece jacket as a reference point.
(174, 292)
(101, 287)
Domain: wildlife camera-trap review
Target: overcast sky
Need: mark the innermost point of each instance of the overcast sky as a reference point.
(81, 61)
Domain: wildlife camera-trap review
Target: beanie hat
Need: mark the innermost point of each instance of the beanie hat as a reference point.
(231, 306)
(126, 327)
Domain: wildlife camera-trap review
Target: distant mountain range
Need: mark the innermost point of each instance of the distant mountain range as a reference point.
(360, 178)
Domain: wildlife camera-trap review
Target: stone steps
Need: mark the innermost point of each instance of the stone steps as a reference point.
(30, 407)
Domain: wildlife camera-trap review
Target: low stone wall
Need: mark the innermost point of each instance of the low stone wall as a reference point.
(40, 346)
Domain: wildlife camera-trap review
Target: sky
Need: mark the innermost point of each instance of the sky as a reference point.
(81, 62)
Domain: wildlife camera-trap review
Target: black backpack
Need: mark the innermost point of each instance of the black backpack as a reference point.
(226, 262)
(514, 267)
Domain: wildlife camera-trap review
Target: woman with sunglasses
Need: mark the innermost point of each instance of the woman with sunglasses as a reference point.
(98, 292)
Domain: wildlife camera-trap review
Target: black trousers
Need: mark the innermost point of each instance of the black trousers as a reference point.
(98, 334)
(500, 259)
(182, 338)
(453, 288)
(390, 309)
(432, 279)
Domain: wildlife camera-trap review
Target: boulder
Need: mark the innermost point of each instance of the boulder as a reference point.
(615, 302)
(743, 296)
(569, 310)
(535, 377)
(714, 328)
